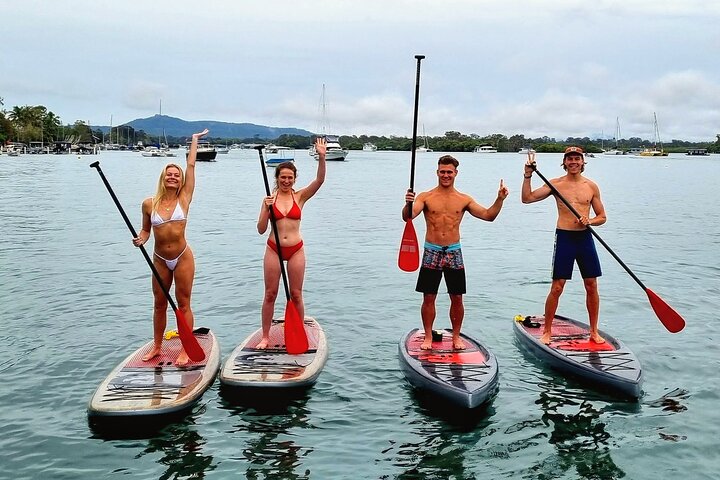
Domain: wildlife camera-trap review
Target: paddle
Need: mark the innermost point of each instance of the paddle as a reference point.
(188, 340)
(667, 315)
(409, 255)
(296, 340)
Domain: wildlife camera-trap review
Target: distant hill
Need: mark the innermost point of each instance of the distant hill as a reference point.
(176, 127)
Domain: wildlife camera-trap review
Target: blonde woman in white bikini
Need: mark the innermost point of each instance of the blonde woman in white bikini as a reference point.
(166, 214)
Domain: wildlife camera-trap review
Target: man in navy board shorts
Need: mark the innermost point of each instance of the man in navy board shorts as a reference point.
(443, 208)
(573, 240)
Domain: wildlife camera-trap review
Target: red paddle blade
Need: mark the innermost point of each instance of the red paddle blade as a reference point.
(187, 338)
(667, 315)
(296, 340)
(409, 256)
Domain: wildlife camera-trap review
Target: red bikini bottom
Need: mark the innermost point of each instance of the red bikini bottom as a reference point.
(286, 252)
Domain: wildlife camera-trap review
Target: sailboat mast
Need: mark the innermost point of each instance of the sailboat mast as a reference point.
(657, 132)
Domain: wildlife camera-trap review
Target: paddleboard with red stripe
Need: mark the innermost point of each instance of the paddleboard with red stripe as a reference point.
(273, 367)
(467, 378)
(157, 387)
(610, 367)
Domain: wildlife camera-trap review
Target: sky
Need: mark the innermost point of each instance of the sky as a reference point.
(556, 68)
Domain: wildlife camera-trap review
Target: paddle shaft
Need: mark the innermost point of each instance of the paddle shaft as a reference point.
(592, 231)
(414, 133)
(149, 261)
(273, 222)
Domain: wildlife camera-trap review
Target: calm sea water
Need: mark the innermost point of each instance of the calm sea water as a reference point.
(75, 300)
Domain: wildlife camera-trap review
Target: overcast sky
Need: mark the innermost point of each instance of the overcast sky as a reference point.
(543, 67)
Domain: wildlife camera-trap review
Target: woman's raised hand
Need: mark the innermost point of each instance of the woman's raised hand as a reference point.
(321, 145)
(201, 134)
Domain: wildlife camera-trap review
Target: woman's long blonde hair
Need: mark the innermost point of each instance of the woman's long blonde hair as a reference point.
(161, 190)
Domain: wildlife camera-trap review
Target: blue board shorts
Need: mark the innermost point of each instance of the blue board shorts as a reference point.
(572, 246)
(439, 261)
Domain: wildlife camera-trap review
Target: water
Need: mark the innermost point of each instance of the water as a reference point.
(75, 300)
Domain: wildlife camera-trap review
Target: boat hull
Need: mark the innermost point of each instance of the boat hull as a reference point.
(610, 367)
(466, 378)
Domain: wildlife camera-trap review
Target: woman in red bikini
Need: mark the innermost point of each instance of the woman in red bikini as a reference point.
(166, 214)
(287, 205)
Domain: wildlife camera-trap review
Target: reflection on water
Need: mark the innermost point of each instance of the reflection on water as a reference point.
(670, 402)
(447, 435)
(181, 451)
(269, 418)
(582, 443)
(179, 445)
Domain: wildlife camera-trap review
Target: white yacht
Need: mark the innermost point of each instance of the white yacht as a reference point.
(334, 150)
(485, 149)
(369, 147)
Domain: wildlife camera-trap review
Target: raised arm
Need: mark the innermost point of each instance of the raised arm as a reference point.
(321, 149)
(527, 194)
(489, 214)
(189, 186)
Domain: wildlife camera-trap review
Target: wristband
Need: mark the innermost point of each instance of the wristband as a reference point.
(528, 176)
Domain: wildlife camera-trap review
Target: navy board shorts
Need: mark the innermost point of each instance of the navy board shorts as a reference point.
(572, 246)
(439, 261)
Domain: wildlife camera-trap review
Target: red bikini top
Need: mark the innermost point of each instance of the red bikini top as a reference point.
(294, 214)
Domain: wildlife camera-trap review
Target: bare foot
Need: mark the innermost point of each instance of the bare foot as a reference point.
(262, 345)
(426, 344)
(458, 344)
(151, 354)
(545, 339)
(595, 337)
(182, 359)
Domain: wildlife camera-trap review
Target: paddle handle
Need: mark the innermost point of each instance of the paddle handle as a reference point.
(592, 230)
(419, 58)
(149, 261)
(273, 222)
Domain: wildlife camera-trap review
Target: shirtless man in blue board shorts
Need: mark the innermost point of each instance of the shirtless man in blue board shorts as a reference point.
(573, 241)
(443, 208)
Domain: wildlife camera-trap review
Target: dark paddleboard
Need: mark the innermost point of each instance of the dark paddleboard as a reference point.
(467, 378)
(609, 366)
(157, 387)
(274, 367)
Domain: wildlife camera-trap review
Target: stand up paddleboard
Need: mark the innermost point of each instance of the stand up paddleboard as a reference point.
(467, 378)
(609, 366)
(157, 387)
(273, 366)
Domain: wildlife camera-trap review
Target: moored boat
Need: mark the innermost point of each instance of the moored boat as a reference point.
(333, 150)
(610, 367)
(485, 149)
(467, 378)
(206, 152)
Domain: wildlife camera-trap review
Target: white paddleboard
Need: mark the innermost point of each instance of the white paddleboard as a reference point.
(273, 366)
(157, 387)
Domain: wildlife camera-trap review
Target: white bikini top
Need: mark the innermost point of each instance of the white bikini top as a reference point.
(177, 215)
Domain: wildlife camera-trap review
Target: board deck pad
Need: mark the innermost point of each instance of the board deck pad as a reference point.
(569, 336)
(169, 353)
(467, 377)
(157, 386)
(248, 366)
(611, 363)
(443, 352)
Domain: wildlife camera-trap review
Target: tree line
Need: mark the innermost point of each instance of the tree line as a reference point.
(38, 124)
